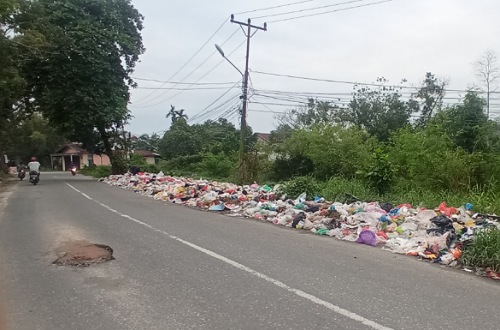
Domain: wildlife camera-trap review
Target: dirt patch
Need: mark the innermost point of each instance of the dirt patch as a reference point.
(83, 254)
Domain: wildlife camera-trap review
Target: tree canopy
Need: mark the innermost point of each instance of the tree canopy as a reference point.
(80, 81)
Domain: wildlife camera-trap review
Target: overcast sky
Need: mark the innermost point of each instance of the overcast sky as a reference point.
(398, 39)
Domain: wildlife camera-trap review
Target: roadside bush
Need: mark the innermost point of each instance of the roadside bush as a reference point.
(298, 185)
(333, 150)
(217, 166)
(339, 189)
(96, 171)
(484, 250)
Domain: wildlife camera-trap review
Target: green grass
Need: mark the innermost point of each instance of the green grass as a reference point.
(484, 251)
(96, 171)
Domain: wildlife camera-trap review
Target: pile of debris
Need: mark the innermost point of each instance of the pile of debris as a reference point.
(438, 235)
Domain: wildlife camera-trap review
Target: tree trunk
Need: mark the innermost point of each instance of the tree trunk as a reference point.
(118, 165)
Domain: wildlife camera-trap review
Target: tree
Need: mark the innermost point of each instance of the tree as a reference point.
(315, 112)
(180, 140)
(34, 136)
(82, 81)
(379, 111)
(431, 93)
(464, 123)
(148, 142)
(11, 83)
(175, 115)
(487, 71)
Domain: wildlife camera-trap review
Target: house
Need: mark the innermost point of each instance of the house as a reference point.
(263, 137)
(149, 156)
(73, 152)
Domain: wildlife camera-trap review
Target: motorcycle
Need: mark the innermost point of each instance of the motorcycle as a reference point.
(73, 170)
(21, 174)
(34, 177)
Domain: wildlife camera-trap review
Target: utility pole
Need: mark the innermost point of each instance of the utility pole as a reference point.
(243, 126)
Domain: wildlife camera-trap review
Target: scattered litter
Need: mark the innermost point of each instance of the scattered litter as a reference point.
(436, 235)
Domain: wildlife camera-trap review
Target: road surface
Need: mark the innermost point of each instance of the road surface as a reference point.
(180, 268)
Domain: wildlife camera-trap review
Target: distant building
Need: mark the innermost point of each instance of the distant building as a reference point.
(73, 152)
(263, 137)
(149, 156)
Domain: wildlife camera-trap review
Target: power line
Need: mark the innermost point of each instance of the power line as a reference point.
(189, 60)
(330, 11)
(184, 83)
(220, 62)
(309, 9)
(184, 89)
(360, 83)
(269, 8)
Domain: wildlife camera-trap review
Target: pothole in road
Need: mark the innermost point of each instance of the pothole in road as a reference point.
(83, 254)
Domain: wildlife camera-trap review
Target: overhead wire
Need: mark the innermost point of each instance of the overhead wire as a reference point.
(203, 76)
(184, 83)
(274, 7)
(309, 9)
(330, 11)
(189, 60)
(361, 83)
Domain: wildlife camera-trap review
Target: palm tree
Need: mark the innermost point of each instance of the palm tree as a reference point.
(172, 114)
(176, 114)
(181, 115)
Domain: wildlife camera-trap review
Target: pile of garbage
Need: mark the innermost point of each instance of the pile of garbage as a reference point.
(437, 234)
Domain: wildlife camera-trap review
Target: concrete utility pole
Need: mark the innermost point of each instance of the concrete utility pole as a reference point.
(243, 125)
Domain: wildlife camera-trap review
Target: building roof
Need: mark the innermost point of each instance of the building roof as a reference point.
(146, 153)
(263, 136)
(75, 146)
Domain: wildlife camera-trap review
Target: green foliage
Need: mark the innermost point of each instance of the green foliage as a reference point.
(147, 142)
(333, 150)
(81, 77)
(314, 113)
(96, 171)
(484, 251)
(137, 160)
(218, 166)
(296, 186)
(285, 167)
(339, 189)
(431, 95)
(33, 136)
(463, 123)
(380, 173)
(379, 111)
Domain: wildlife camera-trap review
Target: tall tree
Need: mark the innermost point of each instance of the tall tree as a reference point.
(314, 112)
(148, 142)
(11, 83)
(175, 115)
(82, 81)
(486, 69)
(379, 111)
(431, 94)
(465, 123)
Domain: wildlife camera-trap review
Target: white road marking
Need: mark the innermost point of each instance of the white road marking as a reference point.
(300, 293)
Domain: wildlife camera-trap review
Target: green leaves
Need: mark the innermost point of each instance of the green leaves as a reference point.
(80, 79)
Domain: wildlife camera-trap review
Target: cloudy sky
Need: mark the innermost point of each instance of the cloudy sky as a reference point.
(349, 41)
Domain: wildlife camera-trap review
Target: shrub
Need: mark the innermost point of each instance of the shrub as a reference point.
(298, 185)
(340, 189)
(484, 250)
(97, 171)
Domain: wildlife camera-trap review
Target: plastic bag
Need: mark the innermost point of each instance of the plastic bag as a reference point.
(367, 237)
(299, 217)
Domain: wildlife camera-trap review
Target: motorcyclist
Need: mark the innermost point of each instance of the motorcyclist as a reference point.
(34, 166)
(21, 171)
(20, 167)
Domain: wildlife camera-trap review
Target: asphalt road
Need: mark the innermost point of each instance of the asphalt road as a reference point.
(180, 268)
